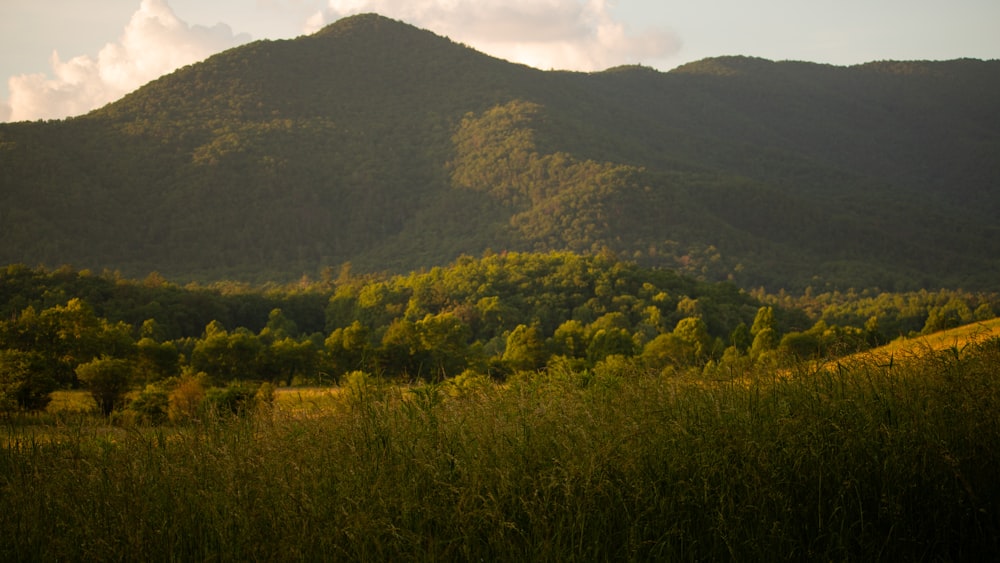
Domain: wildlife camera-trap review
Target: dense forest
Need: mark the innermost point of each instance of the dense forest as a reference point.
(386, 146)
(139, 344)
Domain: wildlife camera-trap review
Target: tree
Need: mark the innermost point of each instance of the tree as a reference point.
(525, 349)
(346, 348)
(227, 356)
(286, 359)
(570, 339)
(155, 361)
(278, 327)
(666, 350)
(64, 337)
(108, 379)
(765, 341)
(763, 320)
(694, 332)
(401, 350)
(23, 385)
(802, 345)
(609, 342)
(765, 338)
(740, 338)
(446, 341)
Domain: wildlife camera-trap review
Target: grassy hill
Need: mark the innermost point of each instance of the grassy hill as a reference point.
(380, 144)
(956, 339)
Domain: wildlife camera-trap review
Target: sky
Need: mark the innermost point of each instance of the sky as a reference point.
(61, 58)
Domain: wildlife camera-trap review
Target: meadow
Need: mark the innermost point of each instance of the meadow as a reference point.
(854, 460)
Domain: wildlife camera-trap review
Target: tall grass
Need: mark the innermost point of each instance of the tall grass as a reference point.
(859, 461)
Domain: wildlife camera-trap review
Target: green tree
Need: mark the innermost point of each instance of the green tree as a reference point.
(23, 385)
(107, 379)
(765, 338)
(227, 356)
(740, 338)
(278, 327)
(155, 361)
(286, 359)
(694, 332)
(802, 345)
(446, 341)
(401, 351)
(347, 348)
(525, 349)
(570, 339)
(666, 350)
(765, 341)
(609, 342)
(65, 336)
(763, 320)
(152, 403)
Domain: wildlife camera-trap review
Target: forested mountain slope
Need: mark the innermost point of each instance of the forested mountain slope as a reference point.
(379, 144)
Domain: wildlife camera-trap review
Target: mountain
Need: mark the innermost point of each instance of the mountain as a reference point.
(389, 147)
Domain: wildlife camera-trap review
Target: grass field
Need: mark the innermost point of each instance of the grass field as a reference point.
(956, 338)
(867, 462)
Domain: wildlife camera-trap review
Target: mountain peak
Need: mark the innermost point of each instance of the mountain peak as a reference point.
(364, 23)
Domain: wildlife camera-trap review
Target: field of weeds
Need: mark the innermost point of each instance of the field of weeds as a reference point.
(864, 461)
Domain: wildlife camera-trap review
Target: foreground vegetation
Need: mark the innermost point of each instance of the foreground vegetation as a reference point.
(853, 461)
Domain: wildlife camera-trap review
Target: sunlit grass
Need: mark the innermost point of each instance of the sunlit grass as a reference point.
(71, 401)
(862, 462)
(957, 338)
(305, 400)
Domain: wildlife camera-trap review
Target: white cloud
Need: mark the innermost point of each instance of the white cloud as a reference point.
(314, 23)
(153, 43)
(562, 34)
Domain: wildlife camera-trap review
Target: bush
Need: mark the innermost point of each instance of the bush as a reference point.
(237, 398)
(184, 402)
(152, 404)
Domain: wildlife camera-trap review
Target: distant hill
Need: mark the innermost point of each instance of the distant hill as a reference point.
(389, 147)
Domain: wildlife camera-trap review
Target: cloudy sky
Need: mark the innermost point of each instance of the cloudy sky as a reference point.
(65, 57)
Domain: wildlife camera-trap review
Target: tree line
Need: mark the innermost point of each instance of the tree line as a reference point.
(156, 346)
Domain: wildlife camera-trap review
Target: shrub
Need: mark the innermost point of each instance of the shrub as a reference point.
(184, 403)
(152, 404)
(237, 398)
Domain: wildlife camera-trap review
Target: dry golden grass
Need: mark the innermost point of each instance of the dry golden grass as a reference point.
(305, 400)
(71, 401)
(956, 338)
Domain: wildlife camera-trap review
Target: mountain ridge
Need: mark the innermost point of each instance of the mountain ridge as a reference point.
(279, 158)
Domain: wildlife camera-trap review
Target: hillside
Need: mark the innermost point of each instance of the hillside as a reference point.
(955, 339)
(380, 144)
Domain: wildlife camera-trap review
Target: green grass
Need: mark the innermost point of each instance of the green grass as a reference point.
(861, 462)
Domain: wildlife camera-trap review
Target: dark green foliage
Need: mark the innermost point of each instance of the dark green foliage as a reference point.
(107, 379)
(152, 403)
(24, 382)
(379, 144)
(236, 398)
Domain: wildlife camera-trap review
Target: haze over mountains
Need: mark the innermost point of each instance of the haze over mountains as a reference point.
(380, 144)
